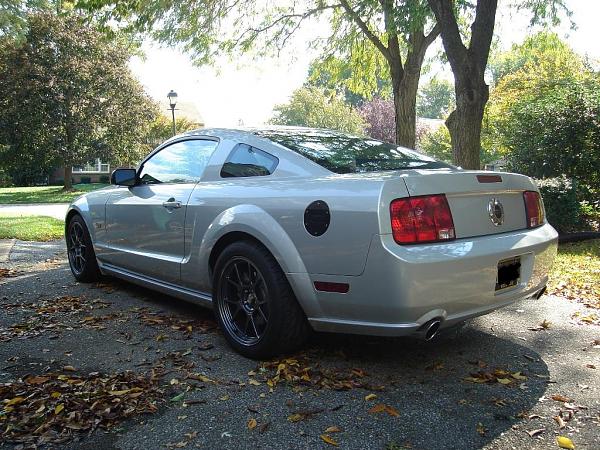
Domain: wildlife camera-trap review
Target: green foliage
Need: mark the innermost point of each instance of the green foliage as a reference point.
(437, 144)
(435, 99)
(544, 114)
(311, 107)
(161, 129)
(544, 50)
(72, 98)
(563, 210)
(337, 75)
(556, 131)
(13, 15)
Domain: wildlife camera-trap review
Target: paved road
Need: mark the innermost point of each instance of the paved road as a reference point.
(423, 382)
(56, 210)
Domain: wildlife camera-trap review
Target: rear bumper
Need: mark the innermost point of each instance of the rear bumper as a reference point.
(403, 287)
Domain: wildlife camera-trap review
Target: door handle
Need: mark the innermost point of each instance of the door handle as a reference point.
(172, 203)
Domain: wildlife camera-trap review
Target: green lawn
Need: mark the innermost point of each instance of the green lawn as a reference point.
(31, 228)
(45, 194)
(576, 272)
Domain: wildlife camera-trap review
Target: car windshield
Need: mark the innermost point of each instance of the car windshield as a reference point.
(343, 153)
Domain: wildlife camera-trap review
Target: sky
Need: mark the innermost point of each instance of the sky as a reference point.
(244, 91)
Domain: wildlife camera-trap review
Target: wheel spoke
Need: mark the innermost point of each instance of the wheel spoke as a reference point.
(237, 271)
(253, 325)
(237, 285)
(260, 311)
(246, 326)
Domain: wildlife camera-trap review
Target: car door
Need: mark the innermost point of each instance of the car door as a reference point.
(145, 222)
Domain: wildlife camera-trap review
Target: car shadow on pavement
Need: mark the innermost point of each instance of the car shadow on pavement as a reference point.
(455, 392)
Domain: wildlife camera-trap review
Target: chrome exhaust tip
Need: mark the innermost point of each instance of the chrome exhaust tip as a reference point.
(429, 330)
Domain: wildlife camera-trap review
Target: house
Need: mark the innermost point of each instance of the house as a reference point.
(98, 171)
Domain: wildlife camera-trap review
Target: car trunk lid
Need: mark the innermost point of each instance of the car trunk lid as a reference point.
(482, 203)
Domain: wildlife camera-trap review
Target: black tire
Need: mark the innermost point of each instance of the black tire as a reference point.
(278, 323)
(82, 258)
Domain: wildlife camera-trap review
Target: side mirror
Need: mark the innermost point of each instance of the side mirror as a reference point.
(123, 177)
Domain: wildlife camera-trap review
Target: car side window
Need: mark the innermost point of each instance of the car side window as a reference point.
(181, 162)
(247, 161)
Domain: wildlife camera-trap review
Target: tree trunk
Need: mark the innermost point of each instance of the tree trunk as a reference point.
(464, 123)
(468, 66)
(405, 95)
(68, 183)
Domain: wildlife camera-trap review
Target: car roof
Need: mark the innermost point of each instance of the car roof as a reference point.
(241, 132)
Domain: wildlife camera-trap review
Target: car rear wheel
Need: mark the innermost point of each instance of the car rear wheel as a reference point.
(82, 258)
(254, 303)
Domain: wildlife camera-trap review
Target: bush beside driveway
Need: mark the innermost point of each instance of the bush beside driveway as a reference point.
(500, 383)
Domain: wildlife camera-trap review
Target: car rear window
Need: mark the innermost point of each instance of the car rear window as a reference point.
(247, 161)
(342, 153)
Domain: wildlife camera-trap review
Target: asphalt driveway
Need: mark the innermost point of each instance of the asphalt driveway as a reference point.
(517, 378)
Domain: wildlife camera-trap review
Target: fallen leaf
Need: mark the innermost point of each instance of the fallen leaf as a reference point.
(481, 429)
(559, 420)
(534, 433)
(518, 376)
(252, 424)
(333, 429)
(178, 397)
(295, 418)
(560, 398)
(253, 382)
(69, 368)
(377, 408)
(14, 401)
(59, 408)
(370, 397)
(36, 380)
(118, 393)
(565, 442)
(504, 380)
(329, 440)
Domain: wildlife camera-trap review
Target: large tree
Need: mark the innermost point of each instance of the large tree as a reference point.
(394, 32)
(72, 97)
(468, 62)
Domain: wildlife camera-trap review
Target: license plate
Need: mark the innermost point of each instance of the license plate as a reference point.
(509, 273)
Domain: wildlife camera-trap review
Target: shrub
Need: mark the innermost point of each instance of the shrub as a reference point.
(5, 179)
(104, 179)
(86, 180)
(563, 209)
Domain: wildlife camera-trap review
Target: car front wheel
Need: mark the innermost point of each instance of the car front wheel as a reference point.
(254, 303)
(82, 258)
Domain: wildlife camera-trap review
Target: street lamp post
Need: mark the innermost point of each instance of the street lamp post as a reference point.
(172, 96)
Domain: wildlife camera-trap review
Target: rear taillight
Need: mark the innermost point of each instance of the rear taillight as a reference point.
(534, 209)
(421, 219)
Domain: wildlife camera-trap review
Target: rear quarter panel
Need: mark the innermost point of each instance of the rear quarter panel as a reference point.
(219, 207)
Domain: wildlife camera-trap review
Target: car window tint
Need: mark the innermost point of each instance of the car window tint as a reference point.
(343, 153)
(247, 161)
(181, 162)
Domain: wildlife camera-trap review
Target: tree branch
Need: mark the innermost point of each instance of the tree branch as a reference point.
(453, 44)
(365, 29)
(432, 36)
(482, 29)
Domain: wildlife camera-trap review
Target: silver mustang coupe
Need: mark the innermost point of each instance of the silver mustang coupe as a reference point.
(288, 230)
